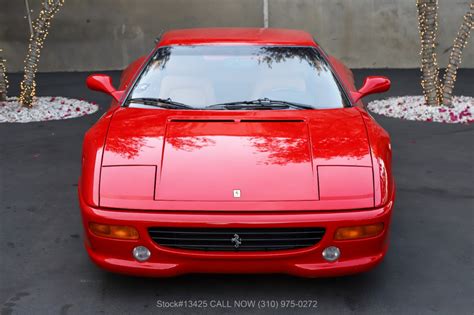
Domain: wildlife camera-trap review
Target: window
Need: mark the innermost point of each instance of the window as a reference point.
(201, 76)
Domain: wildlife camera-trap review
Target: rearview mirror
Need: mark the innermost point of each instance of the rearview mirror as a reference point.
(103, 83)
(372, 85)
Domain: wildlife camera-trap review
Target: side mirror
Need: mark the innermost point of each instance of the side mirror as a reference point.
(372, 85)
(103, 83)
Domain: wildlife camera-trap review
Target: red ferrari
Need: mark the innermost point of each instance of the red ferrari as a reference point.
(236, 150)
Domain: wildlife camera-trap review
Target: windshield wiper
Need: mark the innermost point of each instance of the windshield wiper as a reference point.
(160, 102)
(261, 103)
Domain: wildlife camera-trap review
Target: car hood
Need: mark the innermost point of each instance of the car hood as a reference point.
(161, 159)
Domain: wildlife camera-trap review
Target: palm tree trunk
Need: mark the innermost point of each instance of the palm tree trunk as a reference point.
(428, 24)
(40, 32)
(3, 79)
(455, 56)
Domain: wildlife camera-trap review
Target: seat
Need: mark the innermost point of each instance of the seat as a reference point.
(198, 92)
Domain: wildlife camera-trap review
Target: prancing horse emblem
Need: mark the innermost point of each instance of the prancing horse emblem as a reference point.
(236, 193)
(236, 240)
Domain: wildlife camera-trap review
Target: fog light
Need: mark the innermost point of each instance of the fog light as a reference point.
(331, 253)
(141, 253)
(361, 231)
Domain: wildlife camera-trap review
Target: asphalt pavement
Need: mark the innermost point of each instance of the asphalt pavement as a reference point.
(44, 268)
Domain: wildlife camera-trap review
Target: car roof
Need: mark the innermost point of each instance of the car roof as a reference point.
(242, 36)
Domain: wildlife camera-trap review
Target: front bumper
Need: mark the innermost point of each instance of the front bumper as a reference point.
(356, 255)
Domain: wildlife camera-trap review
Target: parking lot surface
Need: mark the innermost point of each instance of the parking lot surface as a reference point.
(45, 270)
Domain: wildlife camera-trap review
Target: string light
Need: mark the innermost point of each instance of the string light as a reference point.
(40, 31)
(428, 27)
(435, 91)
(3, 78)
(455, 57)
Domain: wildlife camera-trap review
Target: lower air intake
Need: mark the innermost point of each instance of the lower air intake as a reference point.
(236, 239)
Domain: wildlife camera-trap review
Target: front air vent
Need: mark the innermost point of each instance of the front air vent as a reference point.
(237, 120)
(272, 120)
(236, 239)
(203, 120)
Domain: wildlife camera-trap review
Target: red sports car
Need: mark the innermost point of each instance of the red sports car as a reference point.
(236, 150)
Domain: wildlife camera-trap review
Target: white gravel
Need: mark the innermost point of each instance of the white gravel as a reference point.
(414, 108)
(45, 108)
(405, 107)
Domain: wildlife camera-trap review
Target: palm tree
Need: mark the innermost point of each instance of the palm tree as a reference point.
(39, 33)
(3, 78)
(428, 26)
(455, 56)
(439, 92)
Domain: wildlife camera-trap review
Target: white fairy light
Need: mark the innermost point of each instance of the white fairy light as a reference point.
(40, 31)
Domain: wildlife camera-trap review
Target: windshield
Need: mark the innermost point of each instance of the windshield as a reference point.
(203, 76)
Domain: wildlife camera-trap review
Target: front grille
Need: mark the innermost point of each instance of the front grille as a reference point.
(236, 239)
